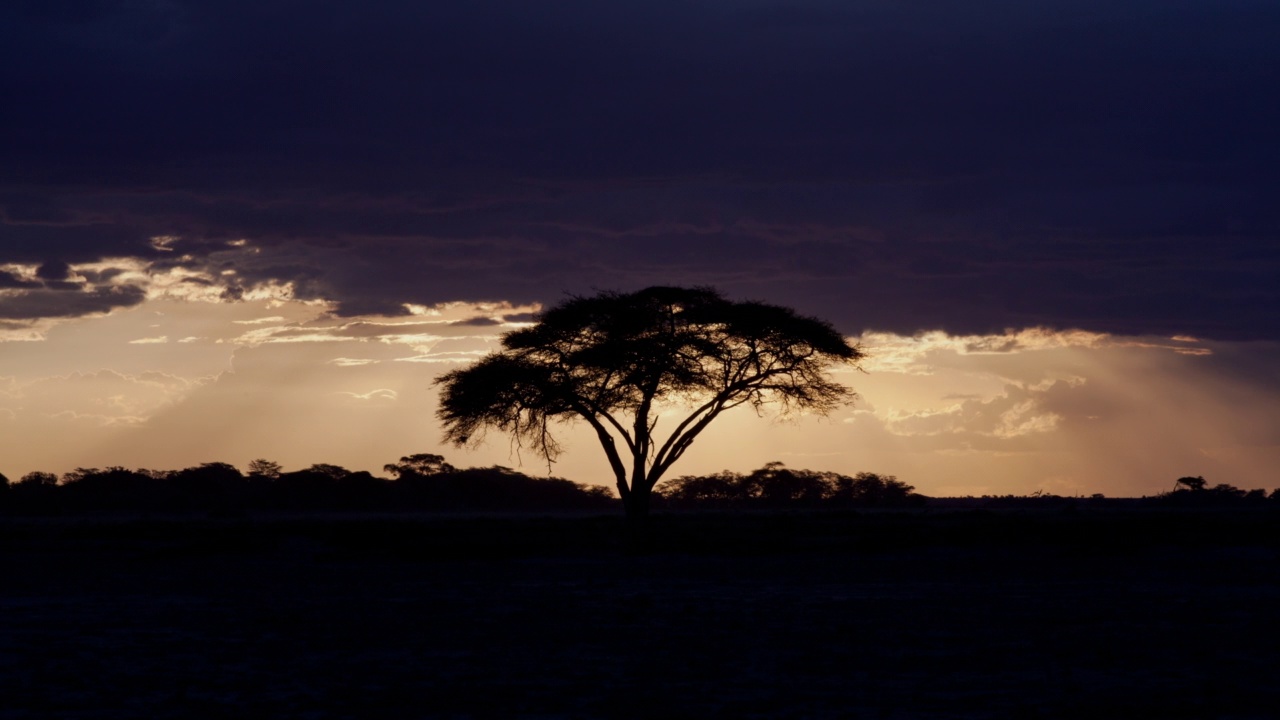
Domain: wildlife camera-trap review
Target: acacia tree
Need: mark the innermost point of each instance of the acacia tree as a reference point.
(614, 359)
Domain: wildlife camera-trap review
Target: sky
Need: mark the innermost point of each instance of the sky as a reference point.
(260, 229)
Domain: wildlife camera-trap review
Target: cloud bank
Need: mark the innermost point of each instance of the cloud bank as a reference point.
(895, 167)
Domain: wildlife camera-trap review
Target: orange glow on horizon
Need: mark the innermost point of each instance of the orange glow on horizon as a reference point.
(175, 382)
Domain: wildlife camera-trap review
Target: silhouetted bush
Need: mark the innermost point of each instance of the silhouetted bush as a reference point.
(1193, 484)
(872, 490)
(776, 486)
(1194, 492)
(496, 488)
(1255, 496)
(424, 483)
(325, 487)
(35, 493)
(38, 479)
(1038, 499)
(211, 487)
(265, 469)
(112, 489)
(421, 464)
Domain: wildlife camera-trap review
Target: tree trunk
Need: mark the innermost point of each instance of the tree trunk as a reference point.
(636, 504)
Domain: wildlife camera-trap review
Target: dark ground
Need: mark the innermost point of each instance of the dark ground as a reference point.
(932, 614)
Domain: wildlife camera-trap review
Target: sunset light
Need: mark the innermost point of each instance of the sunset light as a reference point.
(641, 359)
(185, 377)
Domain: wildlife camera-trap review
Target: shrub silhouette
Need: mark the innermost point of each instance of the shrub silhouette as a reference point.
(320, 487)
(496, 488)
(872, 490)
(113, 488)
(776, 486)
(35, 492)
(264, 469)
(213, 487)
(421, 464)
(38, 479)
(1194, 484)
(426, 482)
(423, 482)
(1195, 492)
(1255, 496)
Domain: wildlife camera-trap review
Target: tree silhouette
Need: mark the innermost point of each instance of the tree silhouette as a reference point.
(212, 486)
(613, 359)
(420, 464)
(775, 484)
(45, 479)
(1193, 484)
(35, 490)
(871, 490)
(268, 469)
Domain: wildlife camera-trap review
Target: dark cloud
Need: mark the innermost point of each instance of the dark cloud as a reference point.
(33, 304)
(102, 276)
(479, 321)
(9, 280)
(53, 270)
(896, 166)
(64, 285)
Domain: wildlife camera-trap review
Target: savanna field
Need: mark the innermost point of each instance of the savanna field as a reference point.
(923, 613)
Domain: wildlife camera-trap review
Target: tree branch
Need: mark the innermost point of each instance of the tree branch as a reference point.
(610, 448)
(601, 412)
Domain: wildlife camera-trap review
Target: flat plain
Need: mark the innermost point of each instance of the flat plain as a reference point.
(919, 614)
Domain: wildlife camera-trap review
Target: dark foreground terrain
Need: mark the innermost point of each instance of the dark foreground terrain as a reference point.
(882, 615)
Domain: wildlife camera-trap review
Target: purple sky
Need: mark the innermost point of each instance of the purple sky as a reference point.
(1111, 166)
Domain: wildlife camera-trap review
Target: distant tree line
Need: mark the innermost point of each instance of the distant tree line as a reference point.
(428, 483)
(777, 486)
(1196, 491)
(1187, 492)
(421, 483)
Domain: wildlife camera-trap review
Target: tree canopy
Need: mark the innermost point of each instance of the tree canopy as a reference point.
(612, 359)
